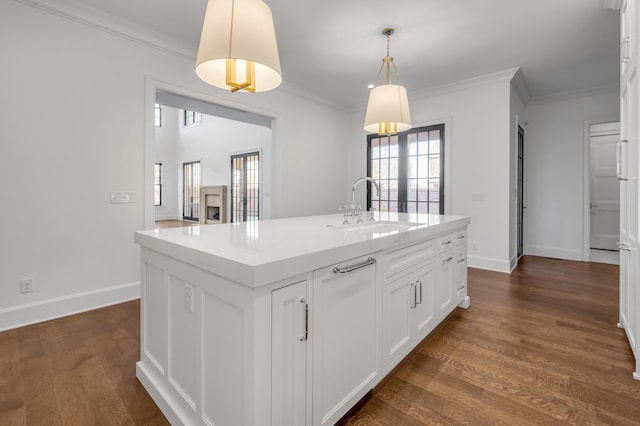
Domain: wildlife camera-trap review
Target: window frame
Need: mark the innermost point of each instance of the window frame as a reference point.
(191, 118)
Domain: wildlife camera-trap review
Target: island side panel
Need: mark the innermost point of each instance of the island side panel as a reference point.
(198, 342)
(205, 343)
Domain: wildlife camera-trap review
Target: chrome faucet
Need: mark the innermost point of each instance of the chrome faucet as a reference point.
(353, 189)
(352, 210)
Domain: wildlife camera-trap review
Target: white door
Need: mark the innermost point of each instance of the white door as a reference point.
(605, 187)
(289, 333)
(346, 348)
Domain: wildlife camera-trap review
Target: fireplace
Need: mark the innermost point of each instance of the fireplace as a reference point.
(213, 204)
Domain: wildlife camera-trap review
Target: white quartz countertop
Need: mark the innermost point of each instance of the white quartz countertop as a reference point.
(258, 253)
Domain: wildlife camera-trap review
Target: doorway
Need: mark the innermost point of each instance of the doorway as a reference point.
(520, 191)
(225, 128)
(604, 187)
(245, 187)
(410, 169)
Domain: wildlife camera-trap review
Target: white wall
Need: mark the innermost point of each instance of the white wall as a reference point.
(554, 170)
(74, 110)
(165, 153)
(477, 113)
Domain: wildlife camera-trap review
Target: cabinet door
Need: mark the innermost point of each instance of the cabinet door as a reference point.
(397, 306)
(460, 275)
(444, 283)
(346, 337)
(289, 315)
(424, 319)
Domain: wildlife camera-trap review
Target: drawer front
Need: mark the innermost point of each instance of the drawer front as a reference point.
(452, 240)
(400, 260)
(460, 237)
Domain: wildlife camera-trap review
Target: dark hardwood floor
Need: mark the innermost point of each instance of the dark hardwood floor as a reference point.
(537, 347)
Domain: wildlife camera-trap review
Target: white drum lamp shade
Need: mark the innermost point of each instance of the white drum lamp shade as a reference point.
(387, 110)
(238, 39)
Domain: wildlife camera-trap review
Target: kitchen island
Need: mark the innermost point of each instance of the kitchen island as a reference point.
(290, 321)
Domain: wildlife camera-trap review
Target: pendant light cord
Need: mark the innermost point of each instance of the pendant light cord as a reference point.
(388, 59)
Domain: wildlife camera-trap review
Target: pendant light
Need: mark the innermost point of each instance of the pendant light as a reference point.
(238, 49)
(388, 107)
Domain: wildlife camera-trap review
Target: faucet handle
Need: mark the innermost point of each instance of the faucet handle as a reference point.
(347, 212)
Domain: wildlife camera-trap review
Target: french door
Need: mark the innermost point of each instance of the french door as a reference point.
(409, 167)
(245, 187)
(191, 191)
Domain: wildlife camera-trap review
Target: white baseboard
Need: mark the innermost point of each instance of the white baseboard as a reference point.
(554, 252)
(45, 310)
(489, 263)
(160, 216)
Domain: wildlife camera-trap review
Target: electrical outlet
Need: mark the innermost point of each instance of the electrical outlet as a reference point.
(474, 245)
(188, 298)
(26, 285)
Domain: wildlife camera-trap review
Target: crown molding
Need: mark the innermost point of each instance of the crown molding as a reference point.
(610, 4)
(110, 24)
(300, 92)
(520, 86)
(482, 80)
(574, 94)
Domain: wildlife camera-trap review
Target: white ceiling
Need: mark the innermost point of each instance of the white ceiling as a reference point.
(332, 49)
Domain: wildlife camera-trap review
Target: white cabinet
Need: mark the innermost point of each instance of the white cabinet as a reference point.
(408, 303)
(628, 36)
(629, 185)
(345, 334)
(422, 284)
(451, 280)
(289, 336)
(408, 308)
(444, 286)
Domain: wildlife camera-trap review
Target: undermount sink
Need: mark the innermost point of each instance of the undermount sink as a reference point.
(376, 227)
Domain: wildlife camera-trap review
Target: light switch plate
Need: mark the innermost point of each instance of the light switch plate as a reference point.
(119, 197)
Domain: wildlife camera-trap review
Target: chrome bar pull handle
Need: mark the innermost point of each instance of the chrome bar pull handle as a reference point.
(447, 260)
(419, 283)
(415, 297)
(305, 336)
(347, 269)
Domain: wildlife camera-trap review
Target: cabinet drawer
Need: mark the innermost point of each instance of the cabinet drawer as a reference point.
(400, 260)
(451, 240)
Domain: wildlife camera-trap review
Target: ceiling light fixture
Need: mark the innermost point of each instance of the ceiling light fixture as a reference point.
(388, 107)
(238, 49)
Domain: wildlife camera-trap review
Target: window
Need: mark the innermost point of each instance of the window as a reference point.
(409, 167)
(192, 117)
(157, 184)
(245, 187)
(158, 115)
